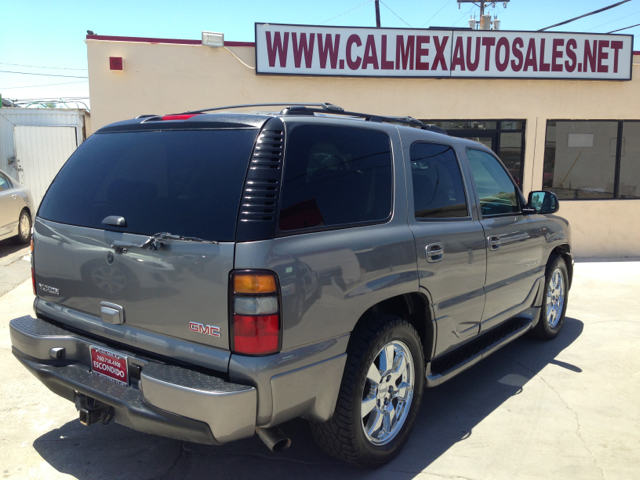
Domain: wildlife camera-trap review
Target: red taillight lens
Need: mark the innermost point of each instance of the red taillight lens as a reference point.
(254, 312)
(33, 270)
(256, 334)
(179, 117)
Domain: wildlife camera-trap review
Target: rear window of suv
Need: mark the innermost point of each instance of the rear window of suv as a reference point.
(182, 182)
(335, 176)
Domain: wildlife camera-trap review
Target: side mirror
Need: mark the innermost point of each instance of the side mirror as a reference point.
(542, 202)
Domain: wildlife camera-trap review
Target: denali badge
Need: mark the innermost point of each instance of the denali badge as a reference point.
(48, 289)
(205, 329)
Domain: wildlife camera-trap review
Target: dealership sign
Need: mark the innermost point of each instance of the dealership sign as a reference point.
(390, 52)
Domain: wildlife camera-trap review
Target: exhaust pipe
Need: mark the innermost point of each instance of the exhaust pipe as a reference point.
(274, 439)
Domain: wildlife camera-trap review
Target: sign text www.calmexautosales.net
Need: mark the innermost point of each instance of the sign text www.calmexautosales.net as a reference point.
(311, 50)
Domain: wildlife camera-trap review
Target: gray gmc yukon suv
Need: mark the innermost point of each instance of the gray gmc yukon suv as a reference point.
(209, 275)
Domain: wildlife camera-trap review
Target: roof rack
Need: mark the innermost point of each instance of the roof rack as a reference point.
(330, 109)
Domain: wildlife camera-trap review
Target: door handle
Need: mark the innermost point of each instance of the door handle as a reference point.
(14, 195)
(494, 242)
(435, 252)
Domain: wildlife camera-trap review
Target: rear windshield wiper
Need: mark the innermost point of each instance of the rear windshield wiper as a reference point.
(155, 242)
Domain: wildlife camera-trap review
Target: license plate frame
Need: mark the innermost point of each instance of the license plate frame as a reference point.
(108, 364)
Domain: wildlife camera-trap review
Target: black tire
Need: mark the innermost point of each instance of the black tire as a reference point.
(344, 435)
(24, 231)
(549, 325)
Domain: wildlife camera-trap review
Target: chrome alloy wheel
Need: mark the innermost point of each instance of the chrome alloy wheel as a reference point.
(555, 298)
(387, 393)
(25, 226)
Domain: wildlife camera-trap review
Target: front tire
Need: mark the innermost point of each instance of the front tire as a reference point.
(379, 397)
(24, 228)
(554, 303)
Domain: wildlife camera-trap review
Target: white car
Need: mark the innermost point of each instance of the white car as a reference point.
(16, 210)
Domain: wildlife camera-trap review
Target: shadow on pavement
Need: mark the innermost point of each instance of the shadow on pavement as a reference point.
(7, 247)
(448, 415)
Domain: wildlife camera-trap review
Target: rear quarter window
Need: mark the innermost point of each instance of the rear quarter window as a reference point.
(182, 182)
(335, 176)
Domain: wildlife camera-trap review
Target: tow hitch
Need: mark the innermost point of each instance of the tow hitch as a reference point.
(93, 411)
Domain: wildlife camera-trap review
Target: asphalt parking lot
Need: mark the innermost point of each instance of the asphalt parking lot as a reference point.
(568, 408)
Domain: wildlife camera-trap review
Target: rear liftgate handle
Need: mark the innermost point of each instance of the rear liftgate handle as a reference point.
(493, 242)
(435, 252)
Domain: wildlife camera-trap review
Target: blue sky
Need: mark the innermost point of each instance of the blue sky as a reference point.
(37, 34)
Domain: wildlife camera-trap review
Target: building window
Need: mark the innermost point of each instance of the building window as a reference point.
(592, 159)
(504, 137)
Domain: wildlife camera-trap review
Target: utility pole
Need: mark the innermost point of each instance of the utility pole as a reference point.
(377, 2)
(485, 21)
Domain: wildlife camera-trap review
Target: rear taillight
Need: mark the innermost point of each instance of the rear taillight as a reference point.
(254, 304)
(33, 270)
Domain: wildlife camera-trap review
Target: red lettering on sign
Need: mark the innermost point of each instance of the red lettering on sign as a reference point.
(531, 59)
(421, 40)
(571, 54)
(518, 43)
(303, 48)
(404, 54)
(602, 55)
(544, 67)
(277, 48)
(328, 48)
(487, 42)
(439, 59)
(458, 55)
(370, 54)
(384, 63)
(473, 65)
(556, 54)
(353, 40)
(590, 55)
(616, 46)
(503, 43)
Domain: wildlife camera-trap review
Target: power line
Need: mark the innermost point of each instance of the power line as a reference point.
(611, 21)
(348, 11)
(467, 13)
(585, 15)
(42, 74)
(434, 15)
(625, 28)
(38, 66)
(394, 13)
(46, 85)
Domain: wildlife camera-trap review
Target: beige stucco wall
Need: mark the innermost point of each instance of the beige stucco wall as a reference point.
(169, 78)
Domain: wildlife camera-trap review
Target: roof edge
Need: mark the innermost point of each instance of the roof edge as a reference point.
(174, 41)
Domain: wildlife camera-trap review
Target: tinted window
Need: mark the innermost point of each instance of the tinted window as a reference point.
(629, 186)
(580, 159)
(335, 176)
(496, 190)
(438, 191)
(186, 182)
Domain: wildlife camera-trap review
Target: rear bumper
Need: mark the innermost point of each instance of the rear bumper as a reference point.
(162, 399)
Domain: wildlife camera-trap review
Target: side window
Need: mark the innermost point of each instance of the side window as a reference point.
(438, 191)
(335, 176)
(496, 190)
(4, 183)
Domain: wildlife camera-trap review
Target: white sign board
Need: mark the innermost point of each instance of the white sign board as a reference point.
(390, 52)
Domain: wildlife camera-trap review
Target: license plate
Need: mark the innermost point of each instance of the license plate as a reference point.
(107, 364)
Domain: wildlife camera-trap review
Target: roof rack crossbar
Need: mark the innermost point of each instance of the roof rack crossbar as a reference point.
(325, 106)
(327, 109)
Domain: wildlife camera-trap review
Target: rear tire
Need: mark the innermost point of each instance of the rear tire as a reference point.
(380, 395)
(554, 302)
(24, 228)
